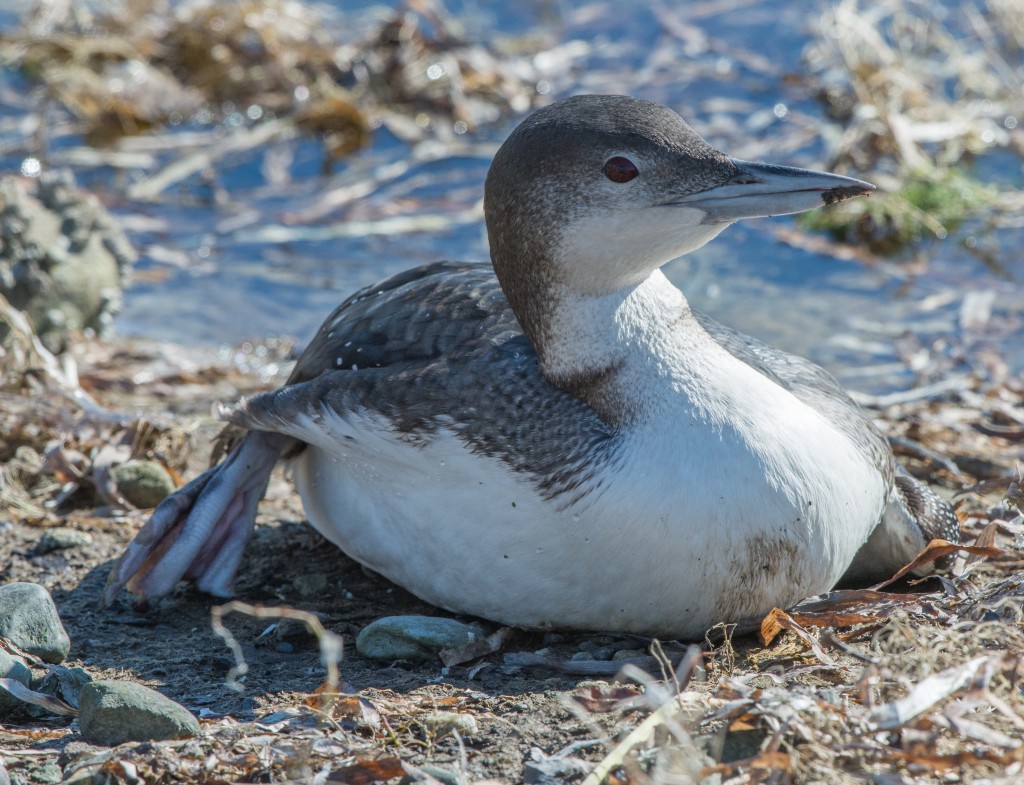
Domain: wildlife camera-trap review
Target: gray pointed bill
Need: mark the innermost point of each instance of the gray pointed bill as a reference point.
(762, 190)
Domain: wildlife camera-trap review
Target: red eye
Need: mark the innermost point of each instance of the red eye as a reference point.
(620, 170)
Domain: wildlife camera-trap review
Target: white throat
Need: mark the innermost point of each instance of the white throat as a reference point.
(590, 333)
(614, 250)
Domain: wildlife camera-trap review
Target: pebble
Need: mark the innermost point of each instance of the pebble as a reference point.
(444, 723)
(29, 620)
(439, 773)
(628, 654)
(113, 712)
(12, 667)
(413, 637)
(62, 538)
(144, 484)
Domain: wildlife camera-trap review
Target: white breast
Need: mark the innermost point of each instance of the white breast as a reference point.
(731, 497)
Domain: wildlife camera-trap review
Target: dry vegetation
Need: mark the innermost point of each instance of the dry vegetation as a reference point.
(921, 90)
(287, 67)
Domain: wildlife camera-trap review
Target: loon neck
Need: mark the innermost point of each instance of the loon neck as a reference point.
(590, 345)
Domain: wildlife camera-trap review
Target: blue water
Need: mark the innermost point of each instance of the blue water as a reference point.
(225, 286)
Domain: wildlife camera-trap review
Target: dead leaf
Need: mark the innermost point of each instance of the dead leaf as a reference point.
(959, 760)
(775, 761)
(368, 770)
(48, 702)
(598, 698)
(778, 620)
(938, 549)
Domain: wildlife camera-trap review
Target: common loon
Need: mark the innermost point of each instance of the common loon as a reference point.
(563, 442)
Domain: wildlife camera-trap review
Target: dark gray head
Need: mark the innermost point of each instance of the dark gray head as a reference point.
(590, 195)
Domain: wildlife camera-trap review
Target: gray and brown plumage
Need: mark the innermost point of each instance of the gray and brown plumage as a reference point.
(568, 444)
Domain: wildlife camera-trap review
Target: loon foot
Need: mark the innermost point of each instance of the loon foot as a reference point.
(198, 533)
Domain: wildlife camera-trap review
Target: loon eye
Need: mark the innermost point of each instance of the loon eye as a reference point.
(620, 170)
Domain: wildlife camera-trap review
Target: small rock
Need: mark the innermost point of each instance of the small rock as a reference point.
(12, 667)
(444, 723)
(554, 638)
(62, 538)
(439, 773)
(29, 620)
(413, 637)
(628, 654)
(143, 484)
(113, 712)
(603, 653)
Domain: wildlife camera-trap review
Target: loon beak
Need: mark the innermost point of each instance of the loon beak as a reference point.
(761, 190)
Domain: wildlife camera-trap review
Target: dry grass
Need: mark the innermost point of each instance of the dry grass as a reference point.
(922, 89)
(151, 64)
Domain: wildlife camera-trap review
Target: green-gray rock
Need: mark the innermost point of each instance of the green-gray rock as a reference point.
(62, 538)
(12, 667)
(143, 483)
(29, 620)
(413, 637)
(113, 712)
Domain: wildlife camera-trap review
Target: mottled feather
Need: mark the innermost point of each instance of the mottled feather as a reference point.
(439, 346)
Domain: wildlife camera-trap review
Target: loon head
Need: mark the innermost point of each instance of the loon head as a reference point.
(592, 194)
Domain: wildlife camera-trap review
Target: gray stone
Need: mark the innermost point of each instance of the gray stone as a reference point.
(12, 667)
(29, 620)
(628, 654)
(413, 637)
(439, 773)
(62, 538)
(144, 484)
(113, 712)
